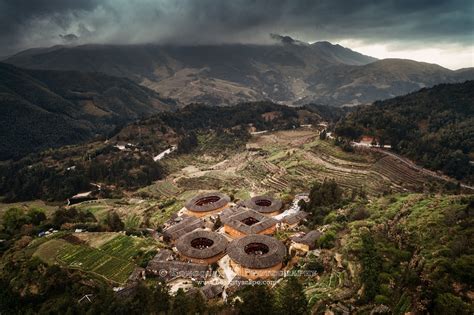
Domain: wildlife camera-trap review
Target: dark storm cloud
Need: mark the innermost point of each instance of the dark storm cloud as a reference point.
(26, 23)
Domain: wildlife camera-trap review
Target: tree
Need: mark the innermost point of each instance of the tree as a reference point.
(327, 240)
(323, 135)
(188, 143)
(326, 194)
(370, 267)
(13, 219)
(290, 298)
(36, 216)
(142, 302)
(114, 222)
(188, 304)
(323, 198)
(256, 300)
(218, 223)
(448, 303)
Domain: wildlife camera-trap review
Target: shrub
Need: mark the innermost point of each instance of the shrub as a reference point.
(314, 264)
(448, 303)
(328, 240)
(359, 213)
(382, 299)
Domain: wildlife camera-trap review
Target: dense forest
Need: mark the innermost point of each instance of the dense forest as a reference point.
(434, 127)
(44, 109)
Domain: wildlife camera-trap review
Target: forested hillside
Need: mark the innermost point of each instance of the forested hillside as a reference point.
(433, 126)
(43, 109)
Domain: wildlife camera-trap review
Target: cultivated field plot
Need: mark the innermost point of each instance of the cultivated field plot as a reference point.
(113, 260)
(160, 189)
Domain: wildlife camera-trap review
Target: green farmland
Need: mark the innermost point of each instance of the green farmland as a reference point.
(114, 260)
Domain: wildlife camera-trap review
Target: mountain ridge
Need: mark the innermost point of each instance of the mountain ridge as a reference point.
(288, 72)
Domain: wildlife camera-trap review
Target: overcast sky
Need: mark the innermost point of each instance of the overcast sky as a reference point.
(435, 31)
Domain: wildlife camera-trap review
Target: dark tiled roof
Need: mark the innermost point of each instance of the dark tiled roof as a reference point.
(264, 204)
(234, 217)
(184, 246)
(295, 218)
(308, 239)
(187, 225)
(163, 254)
(136, 274)
(276, 252)
(195, 206)
(211, 291)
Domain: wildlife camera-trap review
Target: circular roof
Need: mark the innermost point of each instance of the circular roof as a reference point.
(264, 204)
(207, 202)
(201, 244)
(257, 251)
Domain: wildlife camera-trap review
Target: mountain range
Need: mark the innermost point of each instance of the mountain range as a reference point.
(289, 72)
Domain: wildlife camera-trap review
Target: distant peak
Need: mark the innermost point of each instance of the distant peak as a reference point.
(287, 40)
(323, 43)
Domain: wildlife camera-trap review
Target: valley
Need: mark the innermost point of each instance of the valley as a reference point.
(400, 204)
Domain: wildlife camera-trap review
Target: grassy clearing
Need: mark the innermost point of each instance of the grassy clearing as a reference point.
(327, 286)
(96, 239)
(48, 251)
(124, 247)
(26, 205)
(242, 194)
(98, 208)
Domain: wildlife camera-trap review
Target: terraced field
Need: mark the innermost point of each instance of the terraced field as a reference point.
(316, 160)
(114, 260)
(161, 189)
(289, 161)
(280, 163)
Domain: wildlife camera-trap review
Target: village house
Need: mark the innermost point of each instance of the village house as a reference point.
(207, 204)
(265, 205)
(212, 291)
(240, 222)
(306, 242)
(177, 230)
(202, 247)
(256, 256)
(293, 220)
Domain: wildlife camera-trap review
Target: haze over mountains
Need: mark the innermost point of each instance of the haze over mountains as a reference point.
(289, 72)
